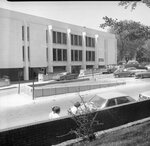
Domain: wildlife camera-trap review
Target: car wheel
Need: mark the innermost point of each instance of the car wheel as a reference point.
(141, 77)
(117, 76)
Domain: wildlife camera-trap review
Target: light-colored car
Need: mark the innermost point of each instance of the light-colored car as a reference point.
(105, 100)
(144, 95)
(110, 99)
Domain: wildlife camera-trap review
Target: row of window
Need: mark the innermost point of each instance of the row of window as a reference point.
(23, 33)
(90, 56)
(61, 38)
(61, 55)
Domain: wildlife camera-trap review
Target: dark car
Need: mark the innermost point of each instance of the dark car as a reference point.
(145, 74)
(68, 76)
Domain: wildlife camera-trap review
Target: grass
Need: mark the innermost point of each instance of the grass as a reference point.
(137, 135)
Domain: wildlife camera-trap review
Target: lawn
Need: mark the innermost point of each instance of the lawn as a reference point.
(137, 135)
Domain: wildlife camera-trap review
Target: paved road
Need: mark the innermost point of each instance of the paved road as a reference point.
(20, 109)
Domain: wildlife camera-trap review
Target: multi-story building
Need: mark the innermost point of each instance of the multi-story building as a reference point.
(30, 43)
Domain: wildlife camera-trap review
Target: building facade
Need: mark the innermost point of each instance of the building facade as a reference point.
(29, 44)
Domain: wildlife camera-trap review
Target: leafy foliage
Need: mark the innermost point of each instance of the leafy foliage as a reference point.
(130, 35)
(133, 4)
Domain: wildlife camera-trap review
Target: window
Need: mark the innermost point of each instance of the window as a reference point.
(93, 56)
(72, 54)
(80, 55)
(28, 36)
(64, 55)
(90, 42)
(76, 40)
(47, 54)
(46, 36)
(64, 38)
(28, 53)
(122, 100)
(90, 56)
(101, 60)
(76, 55)
(111, 102)
(58, 37)
(59, 55)
(23, 33)
(80, 40)
(72, 39)
(23, 53)
(54, 36)
(54, 55)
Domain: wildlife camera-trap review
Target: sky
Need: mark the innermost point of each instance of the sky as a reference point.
(83, 13)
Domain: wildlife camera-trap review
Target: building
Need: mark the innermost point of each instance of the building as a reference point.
(29, 44)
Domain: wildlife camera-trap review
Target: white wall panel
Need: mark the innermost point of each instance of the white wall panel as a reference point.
(10, 43)
(38, 45)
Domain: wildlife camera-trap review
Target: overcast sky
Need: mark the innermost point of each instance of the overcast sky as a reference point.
(82, 13)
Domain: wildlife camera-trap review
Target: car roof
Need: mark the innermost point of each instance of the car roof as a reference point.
(111, 95)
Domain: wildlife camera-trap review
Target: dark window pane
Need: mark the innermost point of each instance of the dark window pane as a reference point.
(28, 33)
(93, 42)
(64, 55)
(23, 33)
(87, 56)
(72, 52)
(54, 36)
(64, 38)
(46, 36)
(75, 39)
(93, 56)
(23, 53)
(47, 53)
(72, 39)
(111, 102)
(89, 42)
(28, 54)
(122, 100)
(80, 55)
(58, 37)
(86, 41)
(54, 54)
(76, 55)
(59, 54)
(80, 40)
(90, 56)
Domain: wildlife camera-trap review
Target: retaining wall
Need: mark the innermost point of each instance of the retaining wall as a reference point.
(47, 133)
(41, 92)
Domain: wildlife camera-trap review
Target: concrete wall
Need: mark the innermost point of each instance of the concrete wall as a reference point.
(41, 92)
(53, 132)
(10, 43)
(38, 45)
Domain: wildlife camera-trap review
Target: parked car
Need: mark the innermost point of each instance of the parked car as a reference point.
(144, 95)
(141, 75)
(127, 72)
(110, 99)
(104, 100)
(123, 73)
(68, 76)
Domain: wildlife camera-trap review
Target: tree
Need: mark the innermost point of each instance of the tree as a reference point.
(133, 4)
(130, 35)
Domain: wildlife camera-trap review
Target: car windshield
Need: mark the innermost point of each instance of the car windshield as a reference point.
(98, 102)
